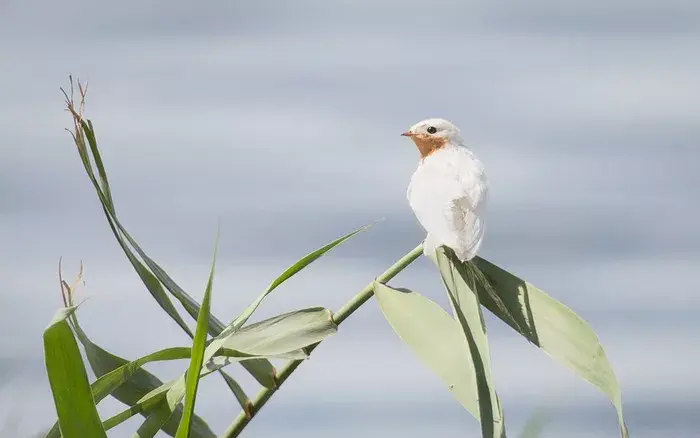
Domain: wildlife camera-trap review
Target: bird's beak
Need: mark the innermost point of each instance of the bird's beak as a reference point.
(408, 134)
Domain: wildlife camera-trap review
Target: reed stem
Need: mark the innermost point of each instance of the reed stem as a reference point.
(341, 315)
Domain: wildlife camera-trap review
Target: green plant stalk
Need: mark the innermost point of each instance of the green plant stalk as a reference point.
(341, 315)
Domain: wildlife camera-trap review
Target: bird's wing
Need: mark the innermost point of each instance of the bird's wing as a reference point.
(448, 202)
(468, 226)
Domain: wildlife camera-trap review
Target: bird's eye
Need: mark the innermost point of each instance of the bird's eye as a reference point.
(431, 130)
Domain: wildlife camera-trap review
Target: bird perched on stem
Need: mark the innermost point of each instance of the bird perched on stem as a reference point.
(448, 190)
(447, 193)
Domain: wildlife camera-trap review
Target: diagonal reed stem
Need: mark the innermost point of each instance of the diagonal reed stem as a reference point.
(341, 315)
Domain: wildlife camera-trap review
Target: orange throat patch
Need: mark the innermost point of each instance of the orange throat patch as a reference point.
(427, 144)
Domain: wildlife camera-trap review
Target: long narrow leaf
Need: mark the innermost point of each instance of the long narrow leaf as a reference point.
(467, 311)
(238, 392)
(83, 130)
(77, 413)
(164, 410)
(286, 275)
(200, 338)
(276, 336)
(262, 370)
(434, 337)
(144, 405)
(553, 327)
(284, 333)
(154, 421)
(106, 384)
(139, 383)
(218, 362)
(152, 284)
(152, 399)
(92, 141)
(289, 331)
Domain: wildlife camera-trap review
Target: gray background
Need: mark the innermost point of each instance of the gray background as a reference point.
(282, 120)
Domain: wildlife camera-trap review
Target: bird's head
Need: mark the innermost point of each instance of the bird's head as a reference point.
(431, 135)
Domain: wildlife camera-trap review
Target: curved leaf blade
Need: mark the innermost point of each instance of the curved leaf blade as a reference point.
(302, 263)
(198, 346)
(434, 337)
(150, 400)
(83, 130)
(467, 311)
(293, 330)
(553, 327)
(77, 412)
(129, 383)
(84, 135)
(144, 405)
(164, 410)
(286, 275)
(154, 421)
(261, 369)
(285, 333)
(106, 384)
(238, 392)
(110, 381)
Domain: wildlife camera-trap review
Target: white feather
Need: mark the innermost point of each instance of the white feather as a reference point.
(447, 194)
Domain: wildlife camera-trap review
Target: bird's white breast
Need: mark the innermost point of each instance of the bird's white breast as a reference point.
(449, 173)
(447, 192)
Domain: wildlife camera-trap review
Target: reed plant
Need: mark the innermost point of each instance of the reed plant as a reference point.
(452, 344)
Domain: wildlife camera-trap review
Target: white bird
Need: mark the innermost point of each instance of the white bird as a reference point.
(449, 189)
